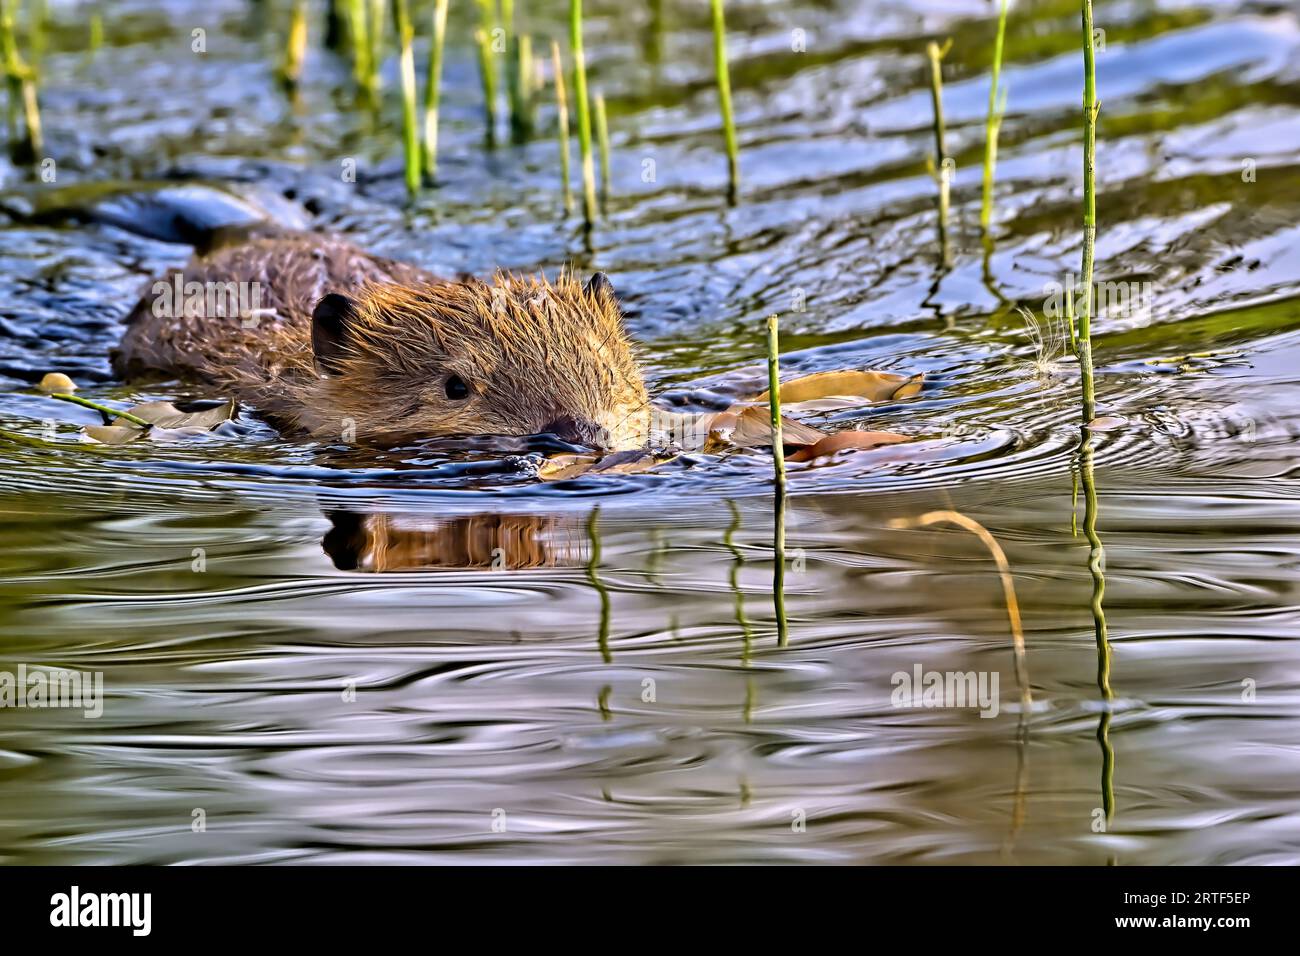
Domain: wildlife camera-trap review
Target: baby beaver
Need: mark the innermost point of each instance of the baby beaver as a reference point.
(346, 345)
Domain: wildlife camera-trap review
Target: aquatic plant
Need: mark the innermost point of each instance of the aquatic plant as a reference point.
(584, 112)
(295, 47)
(941, 164)
(724, 98)
(20, 80)
(774, 398)
(562, 125)
(602, 142)
(523, 88)
(997, 107)
(1090, 109)
(410, 131)
(433, 88)
(359, 29)
(487, 67)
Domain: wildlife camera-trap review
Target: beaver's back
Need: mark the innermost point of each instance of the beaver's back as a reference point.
(245, 309)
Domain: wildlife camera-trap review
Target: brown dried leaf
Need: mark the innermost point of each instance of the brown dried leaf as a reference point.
(634, 461)
(847, 441)
(750, 426)
(873, 386)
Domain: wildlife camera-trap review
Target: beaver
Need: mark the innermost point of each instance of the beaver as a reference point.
(347, 345)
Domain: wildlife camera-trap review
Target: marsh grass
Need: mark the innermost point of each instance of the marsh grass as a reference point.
(774, 397)
(993, 125)
(724, 98)
(433, 90)
(583, 107)
(20, 82)
(295, 47)
(523, 86)
(359, 31)
(562, 126)
(940, 164)
(1090, 109)
(602, 142)
(410, 129)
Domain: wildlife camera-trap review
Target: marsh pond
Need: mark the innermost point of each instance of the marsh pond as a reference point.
(318, 652)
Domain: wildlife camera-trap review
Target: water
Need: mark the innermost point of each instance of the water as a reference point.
(309, 651)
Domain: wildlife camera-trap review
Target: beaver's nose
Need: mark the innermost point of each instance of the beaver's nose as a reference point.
(579, 431)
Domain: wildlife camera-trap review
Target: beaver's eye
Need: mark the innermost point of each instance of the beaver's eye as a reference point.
(456, 388)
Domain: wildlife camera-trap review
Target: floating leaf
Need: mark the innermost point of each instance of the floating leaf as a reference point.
(167, 423)
(57, 382)
(1105, 423)
(635, 461)
(113, 434)
(750, 426)
(168, 416)
(559, 467)
(873, 386)
(847, 441)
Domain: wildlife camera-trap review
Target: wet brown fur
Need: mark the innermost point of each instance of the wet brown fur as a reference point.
(532, 353)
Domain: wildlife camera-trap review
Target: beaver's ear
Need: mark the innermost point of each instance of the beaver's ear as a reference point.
(330, 322)
(599, 285)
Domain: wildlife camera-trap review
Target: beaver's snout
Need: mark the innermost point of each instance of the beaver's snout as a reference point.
(578, 431)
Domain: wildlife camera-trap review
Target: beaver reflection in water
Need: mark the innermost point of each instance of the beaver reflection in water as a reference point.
(354, 345)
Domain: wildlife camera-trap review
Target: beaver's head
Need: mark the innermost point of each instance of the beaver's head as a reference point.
(521, 356)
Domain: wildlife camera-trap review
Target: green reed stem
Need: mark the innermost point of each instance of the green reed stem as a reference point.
(994, 123)
(584, 112)
(38, 19)
(96, 39)
(941, 173)
(562, 112)
(774, 398)
(376, 37)
(487, 67)
(21, 83)
(517, 68)
(1090, 108)
(108, 412)
(406, 62)
(602, 141)
(433, 89)
(359, 28)
(523, 98)
(295, 47)
(724, 98)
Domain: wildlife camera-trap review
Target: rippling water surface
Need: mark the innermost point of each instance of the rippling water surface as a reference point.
(312, 647)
